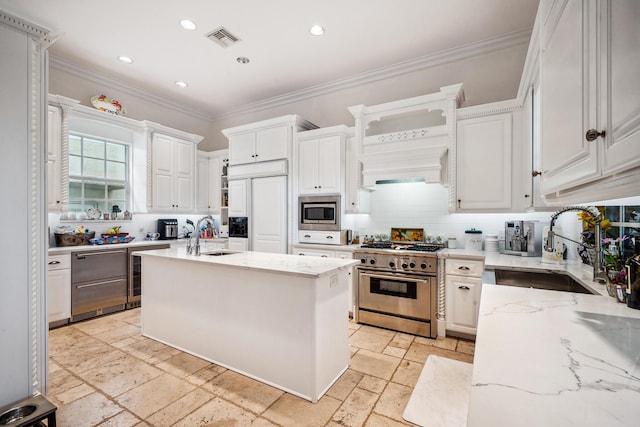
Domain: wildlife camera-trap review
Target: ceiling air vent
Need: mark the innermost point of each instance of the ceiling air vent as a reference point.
(222, 37)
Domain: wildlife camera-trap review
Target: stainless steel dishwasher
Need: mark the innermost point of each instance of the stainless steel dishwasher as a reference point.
(98, 283)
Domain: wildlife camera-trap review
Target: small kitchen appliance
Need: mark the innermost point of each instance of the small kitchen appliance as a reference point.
(168, 228)
(320, 213)
(523, 238)
(239, 227)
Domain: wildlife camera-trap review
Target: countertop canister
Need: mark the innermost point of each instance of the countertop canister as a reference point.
(473, 240)
(491, 242)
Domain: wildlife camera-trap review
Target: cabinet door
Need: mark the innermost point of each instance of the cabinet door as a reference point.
(238, 198)
(242, 148)
(269, 214)
(272, 144)
(163, 172)
(620, 62)
(236, 244)
(203, 183)
(215, 181)
(59, 294)
(54, 159)
(463, 303)
(184, 155)
(329, 164)
(308, 167)
(484, 162)
(567, 101)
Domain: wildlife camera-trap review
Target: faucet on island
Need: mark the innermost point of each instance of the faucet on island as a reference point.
(599, 275)
(196, 248)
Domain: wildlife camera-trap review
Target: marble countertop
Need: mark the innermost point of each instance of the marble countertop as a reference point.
(344, 248)
(135, 244)
(548, 358)
(269, 262)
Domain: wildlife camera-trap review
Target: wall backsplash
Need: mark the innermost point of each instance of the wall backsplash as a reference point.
(138, 227)
(423, 205)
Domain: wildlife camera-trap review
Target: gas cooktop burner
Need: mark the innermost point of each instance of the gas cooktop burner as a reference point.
(421, 247)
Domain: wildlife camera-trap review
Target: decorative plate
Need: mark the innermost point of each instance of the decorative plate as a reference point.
(104, 103)
(407, 234)
(93, 213)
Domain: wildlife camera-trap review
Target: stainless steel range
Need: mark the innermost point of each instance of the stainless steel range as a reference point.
(397, 287)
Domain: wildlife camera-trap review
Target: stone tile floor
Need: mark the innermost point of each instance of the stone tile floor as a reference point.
(103, 372)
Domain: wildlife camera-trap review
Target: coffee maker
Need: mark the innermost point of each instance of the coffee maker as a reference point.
(168, 229)
(523, 238)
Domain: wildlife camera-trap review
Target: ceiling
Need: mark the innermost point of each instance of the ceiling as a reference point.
(360, 36)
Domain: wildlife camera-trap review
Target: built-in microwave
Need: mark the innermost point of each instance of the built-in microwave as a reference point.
(319, 213)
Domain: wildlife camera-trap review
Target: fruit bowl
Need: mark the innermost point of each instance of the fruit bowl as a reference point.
(73, 239)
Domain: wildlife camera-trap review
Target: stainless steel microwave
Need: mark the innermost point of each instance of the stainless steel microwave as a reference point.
(319, 213)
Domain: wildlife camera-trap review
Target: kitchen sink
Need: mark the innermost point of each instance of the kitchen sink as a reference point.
(220, 252)
(550, 280)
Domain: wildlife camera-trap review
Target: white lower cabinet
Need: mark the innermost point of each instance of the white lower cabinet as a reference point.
(58, 289)
(463, 288)
(238, 244)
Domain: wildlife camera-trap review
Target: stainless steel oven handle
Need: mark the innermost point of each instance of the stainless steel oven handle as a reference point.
(397, 276)
(89, 285)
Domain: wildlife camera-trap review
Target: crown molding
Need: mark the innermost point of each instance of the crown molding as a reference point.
(443, 57)
(113, 83)
(40, 33)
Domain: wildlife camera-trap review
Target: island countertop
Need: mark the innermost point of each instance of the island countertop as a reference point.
(548, 358)
(270, 262)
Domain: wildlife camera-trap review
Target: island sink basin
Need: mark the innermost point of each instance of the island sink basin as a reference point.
(220, 252)
(549, 280)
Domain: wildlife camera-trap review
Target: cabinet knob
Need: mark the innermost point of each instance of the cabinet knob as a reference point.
(593, 134)
(459, 201)
(536, 173)
(526, 196)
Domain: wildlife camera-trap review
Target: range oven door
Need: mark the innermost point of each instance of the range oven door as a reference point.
(396, 294)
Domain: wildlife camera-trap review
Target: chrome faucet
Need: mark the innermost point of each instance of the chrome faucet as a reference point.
(196, 248)
(599, 274)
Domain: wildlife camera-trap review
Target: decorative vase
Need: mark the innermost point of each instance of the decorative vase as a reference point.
(587, 255)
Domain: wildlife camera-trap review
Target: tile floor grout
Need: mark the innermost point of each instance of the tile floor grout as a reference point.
(146, 383)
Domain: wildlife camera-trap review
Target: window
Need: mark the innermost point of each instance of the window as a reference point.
(625, 221)
(98, 174)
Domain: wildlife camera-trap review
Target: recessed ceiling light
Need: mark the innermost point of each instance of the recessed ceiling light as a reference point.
(316, 30)
(242, 59)
(187, 24)
(181, 84)
(125, 59)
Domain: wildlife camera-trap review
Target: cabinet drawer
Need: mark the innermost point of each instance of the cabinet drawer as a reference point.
(464, 267)
(98, 265)
(58, 262)
(96, 295)
(314, 252)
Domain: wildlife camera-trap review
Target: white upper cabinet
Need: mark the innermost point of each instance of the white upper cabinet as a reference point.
(238, 198)
(483, 162)
(264, 141)
(173, 163)
(209, 183)
(590, 132)
(321, 155)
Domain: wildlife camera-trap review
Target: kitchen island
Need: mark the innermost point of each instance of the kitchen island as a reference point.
(548, 358)
(277, 318)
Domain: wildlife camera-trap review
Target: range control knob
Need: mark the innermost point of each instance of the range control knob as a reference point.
(423, 265)
(392, 264)
(363, 260)
(404, 265)
(372, 261)
(412, 265)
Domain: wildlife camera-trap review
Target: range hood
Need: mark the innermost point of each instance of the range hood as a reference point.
(417, 155)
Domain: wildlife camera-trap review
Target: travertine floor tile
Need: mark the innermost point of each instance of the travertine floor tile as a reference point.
(118, 334)
(407, 373)
(467, 347)
(73, 394)
(393, 400)
(374, 364)
(87, 412)
(183, 364)
(376, 420)
(290, 410)
(181, 408)
(217, 412)
(120, 375)
(394, 351)
(205, 374)
(447, 343)
(373, 384)
(61, 380)
(401, 340)
(123, 419)
(243, 391)
(355, 409)
(368, 340)
(62, 338)
(150, 351)
(86, 355)
(379, 331)
(154, 395)
(100, 324)
(345, 384)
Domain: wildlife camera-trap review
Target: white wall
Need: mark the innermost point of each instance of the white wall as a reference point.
(420, 205)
